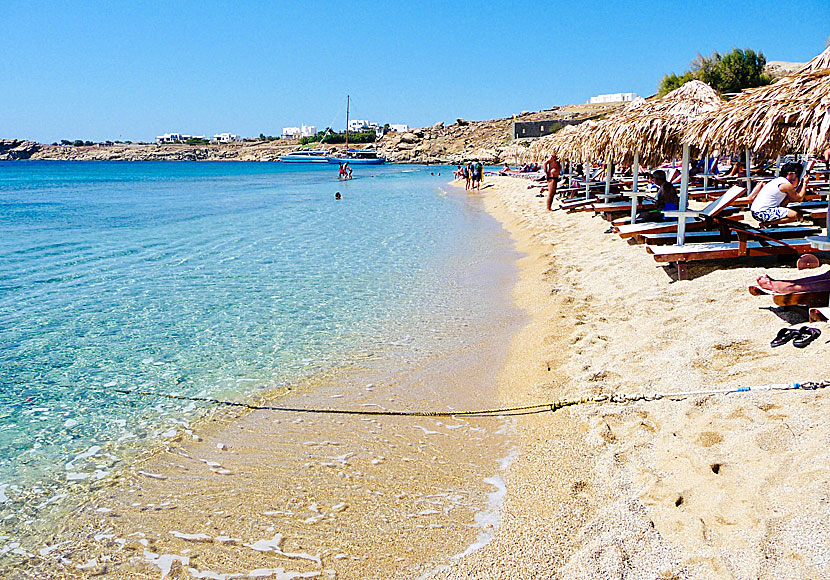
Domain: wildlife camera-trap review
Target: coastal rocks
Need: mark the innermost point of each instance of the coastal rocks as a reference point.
(409, 138)
(11, 149)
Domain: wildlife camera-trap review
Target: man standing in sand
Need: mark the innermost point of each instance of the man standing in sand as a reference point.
(552, 169)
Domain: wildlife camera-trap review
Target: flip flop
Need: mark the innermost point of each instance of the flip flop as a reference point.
(784, 336)
(806, 335)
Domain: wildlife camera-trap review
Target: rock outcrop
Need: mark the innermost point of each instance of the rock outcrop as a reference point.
(17, 149)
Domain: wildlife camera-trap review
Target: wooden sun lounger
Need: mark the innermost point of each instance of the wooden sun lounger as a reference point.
(622, 221)
(706, 217)
(780, 233)
(819, 314)
(743, 248)
(808, 299)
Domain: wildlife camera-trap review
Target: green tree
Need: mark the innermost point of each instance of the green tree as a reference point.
(726, 73)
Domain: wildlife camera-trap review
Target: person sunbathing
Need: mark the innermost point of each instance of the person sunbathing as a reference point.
(768, 199)
(819, 283)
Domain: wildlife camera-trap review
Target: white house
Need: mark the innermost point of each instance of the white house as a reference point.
(308, 130)
(172, 138)
(359, 125)
(176, 138)
(225, 137)
(291, 132)
(399, 128)
(614, 98)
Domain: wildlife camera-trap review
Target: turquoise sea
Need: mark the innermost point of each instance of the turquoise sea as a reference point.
(211, 279)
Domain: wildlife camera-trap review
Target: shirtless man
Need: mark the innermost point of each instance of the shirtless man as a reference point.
(552, 169)
(768, 199)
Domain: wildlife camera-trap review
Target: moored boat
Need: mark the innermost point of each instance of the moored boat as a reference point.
(358, 157)
(306, 156)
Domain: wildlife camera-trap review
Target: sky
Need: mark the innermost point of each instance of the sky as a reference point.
(133, 70)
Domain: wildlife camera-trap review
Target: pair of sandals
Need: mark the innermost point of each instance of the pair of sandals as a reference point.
(801, 337)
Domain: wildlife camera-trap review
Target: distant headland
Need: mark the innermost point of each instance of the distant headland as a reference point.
(457, 142)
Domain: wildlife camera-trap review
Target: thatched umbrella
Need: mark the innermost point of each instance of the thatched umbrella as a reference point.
(651, 131)
(770, 119)
(790, 115)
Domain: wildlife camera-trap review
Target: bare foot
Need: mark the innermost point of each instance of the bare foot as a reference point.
(765, 282)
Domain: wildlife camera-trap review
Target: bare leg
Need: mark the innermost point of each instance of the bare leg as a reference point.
(820, 283)
(551, 193)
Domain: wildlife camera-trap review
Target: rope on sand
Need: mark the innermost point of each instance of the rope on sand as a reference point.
(618, 398)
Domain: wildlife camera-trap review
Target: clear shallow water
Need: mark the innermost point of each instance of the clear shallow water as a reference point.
(208, 278)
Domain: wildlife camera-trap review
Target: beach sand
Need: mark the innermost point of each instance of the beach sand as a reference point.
(728, 486)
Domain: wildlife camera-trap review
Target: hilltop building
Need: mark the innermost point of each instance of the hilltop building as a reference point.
(225, 138)
(614, 98)
(297, 132)
(361, 125)
(176, 138)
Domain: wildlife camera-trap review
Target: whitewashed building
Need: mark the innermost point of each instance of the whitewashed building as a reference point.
(614, 98)
(399, 128)
(308, 131)
(359, 125)
(176, 138)
(172, 138)
(225, 137)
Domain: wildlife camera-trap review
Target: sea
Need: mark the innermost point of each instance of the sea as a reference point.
(215, 280)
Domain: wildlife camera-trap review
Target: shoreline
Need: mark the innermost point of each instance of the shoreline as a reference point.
(272, 473)
(701, 487)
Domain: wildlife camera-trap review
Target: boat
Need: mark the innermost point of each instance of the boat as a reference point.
(306, 156)
(358, 157)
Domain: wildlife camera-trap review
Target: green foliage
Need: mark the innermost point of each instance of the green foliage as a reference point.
(368, 137)
(726, 73)
(66, 142)
(197, 141)
(335, 138)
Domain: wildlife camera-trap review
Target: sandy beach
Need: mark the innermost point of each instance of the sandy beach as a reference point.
(725, 486)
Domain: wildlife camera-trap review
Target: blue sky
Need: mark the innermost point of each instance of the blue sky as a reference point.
(133, 70)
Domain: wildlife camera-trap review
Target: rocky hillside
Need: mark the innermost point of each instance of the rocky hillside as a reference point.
(456, 143)
(465, 141)
(253, 151)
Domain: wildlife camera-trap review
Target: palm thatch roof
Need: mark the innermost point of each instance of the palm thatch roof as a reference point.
(654, 128)
(566, 143)
(790, 115)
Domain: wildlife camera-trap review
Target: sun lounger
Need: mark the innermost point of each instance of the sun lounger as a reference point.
(819, 314)
(743, 248)
(780, 233)
(702, 219)
(795, 298)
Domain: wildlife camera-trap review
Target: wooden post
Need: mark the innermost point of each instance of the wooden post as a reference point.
(748, 171)
(635, 173)
(684, 196)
